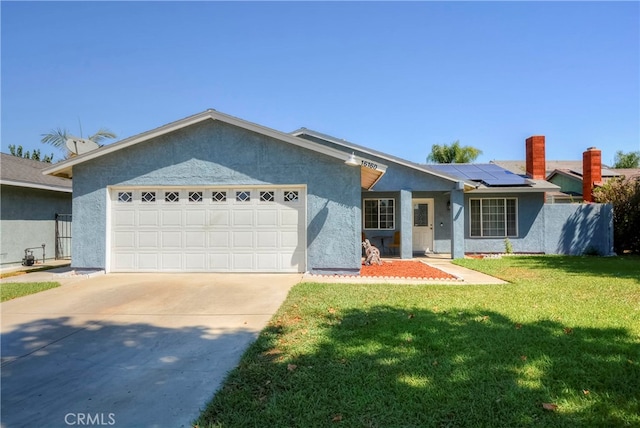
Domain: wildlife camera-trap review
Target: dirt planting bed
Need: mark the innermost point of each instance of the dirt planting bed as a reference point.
(404, 269)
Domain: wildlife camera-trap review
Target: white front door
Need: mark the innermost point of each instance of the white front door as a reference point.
(422, 226)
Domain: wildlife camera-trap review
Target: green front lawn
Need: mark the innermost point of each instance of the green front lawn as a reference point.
(11, 290)
(559, 346)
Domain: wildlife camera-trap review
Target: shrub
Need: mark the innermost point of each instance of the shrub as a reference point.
(624, 195)
(508, 246)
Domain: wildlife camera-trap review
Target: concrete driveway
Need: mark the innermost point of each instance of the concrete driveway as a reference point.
(129, 350)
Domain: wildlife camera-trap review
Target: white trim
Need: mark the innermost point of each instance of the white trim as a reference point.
(513, 190)
(306, 227)
(107, 256)
(36, 186)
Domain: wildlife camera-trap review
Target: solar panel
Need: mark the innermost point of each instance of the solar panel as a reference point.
(490, 167)
(489, 174)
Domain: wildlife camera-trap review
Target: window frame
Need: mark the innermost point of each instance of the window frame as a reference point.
(505, 218)
(378, 213)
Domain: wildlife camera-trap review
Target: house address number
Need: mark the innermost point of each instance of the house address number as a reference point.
(369, 165)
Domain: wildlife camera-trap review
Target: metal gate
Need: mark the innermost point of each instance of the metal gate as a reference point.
(63, 236)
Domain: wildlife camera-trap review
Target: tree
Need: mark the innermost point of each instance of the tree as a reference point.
(36, 155)
(627, 160)
(624, 195)
(454, 153)
(58, 138)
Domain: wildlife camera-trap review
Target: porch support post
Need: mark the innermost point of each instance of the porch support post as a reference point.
(406, 225)
(457, 221)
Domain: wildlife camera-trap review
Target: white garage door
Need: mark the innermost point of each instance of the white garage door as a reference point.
(208, 229)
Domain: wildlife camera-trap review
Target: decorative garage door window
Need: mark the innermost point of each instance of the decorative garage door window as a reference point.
(172, 196)
(291, 196)
(219, 196)
(195, 196)
(243, 196)
(148, 197)
(261, 229)
(267, 196)
(125, 197)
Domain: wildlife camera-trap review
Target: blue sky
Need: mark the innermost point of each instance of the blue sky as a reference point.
(396, 77)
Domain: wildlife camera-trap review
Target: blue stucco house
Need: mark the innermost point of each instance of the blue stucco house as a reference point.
(215, 193)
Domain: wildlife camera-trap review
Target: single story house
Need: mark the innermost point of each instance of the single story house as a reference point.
(212, 192)
(33, 207)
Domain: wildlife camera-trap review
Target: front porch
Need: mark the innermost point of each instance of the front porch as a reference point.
(408, 224)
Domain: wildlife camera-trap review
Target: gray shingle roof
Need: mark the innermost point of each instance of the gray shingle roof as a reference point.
(520, 166)
(17, 171)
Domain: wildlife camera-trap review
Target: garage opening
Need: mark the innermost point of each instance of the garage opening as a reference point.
(208, 229)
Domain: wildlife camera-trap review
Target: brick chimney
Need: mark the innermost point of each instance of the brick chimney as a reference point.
(536, 163)
(591, 172)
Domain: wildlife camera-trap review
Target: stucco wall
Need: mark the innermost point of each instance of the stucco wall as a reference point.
(27, 220)
(578, 229)
(215, 153)
(530, 237)
(551, 228)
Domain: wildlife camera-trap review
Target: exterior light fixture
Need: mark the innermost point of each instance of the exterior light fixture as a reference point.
(352, 160)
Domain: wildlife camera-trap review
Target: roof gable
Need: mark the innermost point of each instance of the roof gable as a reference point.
(65, 169)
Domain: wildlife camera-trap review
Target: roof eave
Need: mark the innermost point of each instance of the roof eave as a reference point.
(569, 174)
(36, 186)
(516, 189)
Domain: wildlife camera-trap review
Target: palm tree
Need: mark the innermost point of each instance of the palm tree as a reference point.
(59, 136)
(454, 153)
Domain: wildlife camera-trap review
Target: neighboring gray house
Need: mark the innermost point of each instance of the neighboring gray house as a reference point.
(571, 180)
(212, 192)
(29, 203)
